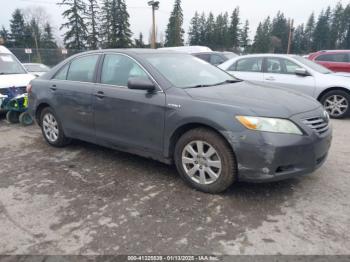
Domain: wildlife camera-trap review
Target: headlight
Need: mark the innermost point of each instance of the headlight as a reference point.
(266, 124)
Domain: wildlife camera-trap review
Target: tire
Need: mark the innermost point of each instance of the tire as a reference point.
(340, 110)
(198, 170)
(12, 117)
(25, 119)
(51, 128)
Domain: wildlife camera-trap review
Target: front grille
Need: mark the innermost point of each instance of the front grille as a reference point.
(318, 124)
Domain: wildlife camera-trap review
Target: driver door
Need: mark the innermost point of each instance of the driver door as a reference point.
(125, 118)
(280, 73)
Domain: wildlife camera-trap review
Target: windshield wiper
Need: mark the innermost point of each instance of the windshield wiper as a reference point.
(5, 73)
(229, 81)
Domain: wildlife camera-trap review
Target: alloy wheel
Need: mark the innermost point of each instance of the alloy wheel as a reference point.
(336, 105)
(201, 162)
(50, 127)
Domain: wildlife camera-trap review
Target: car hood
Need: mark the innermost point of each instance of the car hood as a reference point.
(15, 80)
(344, 74)
(257, 99)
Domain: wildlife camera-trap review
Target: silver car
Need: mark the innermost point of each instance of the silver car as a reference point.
(295, 73)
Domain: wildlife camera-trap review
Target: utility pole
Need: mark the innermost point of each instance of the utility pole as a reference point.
(290, 37)
(155, 6)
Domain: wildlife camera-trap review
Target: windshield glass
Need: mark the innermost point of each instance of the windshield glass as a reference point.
(186, 71)
(10, 65)
(37, 68)
(313, 65)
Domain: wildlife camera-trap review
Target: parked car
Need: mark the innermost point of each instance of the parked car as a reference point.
(12, 74)
(215, 58)
(173, 107)
(335, 60)
(36, 69)
(295, 73)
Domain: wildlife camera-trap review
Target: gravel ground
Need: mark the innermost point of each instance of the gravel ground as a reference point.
(85, 199)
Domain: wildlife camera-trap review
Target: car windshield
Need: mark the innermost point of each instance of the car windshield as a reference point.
(37, 68)
(314, 66)
(9, 65)
(186, 71)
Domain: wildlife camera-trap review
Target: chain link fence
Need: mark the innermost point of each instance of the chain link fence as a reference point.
(50, 57)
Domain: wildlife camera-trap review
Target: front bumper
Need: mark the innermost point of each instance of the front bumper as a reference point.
(267, 157)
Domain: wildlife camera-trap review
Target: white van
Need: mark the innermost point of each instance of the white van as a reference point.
(12, 73)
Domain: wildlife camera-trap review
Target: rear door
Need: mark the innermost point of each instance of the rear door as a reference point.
(72, 89)
(280, 73)
(125, 118)
(248, 69)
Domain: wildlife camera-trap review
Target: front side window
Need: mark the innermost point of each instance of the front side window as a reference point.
(248, 65)
(9, 65)
(290, 67)
(338, 58)
(186, 71)
(83, 69)
(118, 69)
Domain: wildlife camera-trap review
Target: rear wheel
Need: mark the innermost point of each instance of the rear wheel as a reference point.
(12, 117)
(205, 161)
(52, 129)
(336, 103)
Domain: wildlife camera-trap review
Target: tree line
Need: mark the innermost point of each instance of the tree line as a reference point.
(330, 30)
(92, 24)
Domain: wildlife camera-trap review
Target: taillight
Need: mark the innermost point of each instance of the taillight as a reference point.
(29, 88)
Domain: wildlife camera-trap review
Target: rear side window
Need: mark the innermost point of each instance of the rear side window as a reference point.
(248, 65)
(83, 69)
(117, 69)
(274, 66)
(216, 60)
(339, 58)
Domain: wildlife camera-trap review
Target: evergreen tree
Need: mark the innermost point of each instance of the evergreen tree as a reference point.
(234, 28)
(244, 37)
(76, 35)
(139, 42)
(309, 33)
(92, 14)
(175, 33)
(202, 29)
(299, 44)
(48, 40)
(194, 33)
(210, 31)
(280, 32)
(321, 36)
(105, 23)
(336, 26)
(120, 33)
(262, 40)
(345, 42)
(18, 28)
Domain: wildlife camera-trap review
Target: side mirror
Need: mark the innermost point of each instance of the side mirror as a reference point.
(301, 72)
(141, 83)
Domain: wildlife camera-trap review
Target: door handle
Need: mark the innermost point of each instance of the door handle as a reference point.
(270, 78)
(53, 87)
(100, 94)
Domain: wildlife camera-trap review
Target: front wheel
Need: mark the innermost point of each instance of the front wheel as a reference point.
(205, 161)
(52, 129)
(336, 103)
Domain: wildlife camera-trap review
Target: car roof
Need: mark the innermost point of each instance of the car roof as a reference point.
(32, 64)
(333, 51)
(135, 51)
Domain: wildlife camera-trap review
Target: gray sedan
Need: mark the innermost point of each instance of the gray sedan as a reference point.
(295, 73)
(176, 108)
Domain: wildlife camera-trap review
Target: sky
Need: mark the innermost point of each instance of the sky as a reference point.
(140, 14)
